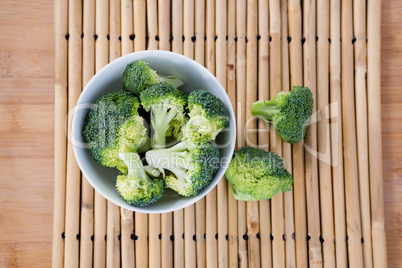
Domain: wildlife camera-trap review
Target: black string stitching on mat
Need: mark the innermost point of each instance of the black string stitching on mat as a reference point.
(194, 38)
(321, 239)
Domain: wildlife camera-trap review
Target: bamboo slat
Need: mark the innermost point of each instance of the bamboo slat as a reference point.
(189, 212)
(296, 75)
(101, 59)
(73, 176)
(200, 216)
(127, 216)
(140, 25)
(278, 247)
(178, 216)
(113, 249)
(290, 251)
(313, 213)
(166, 218)
(141, 219)
(323, 153)
(359, 23)
(251, 125)
(222, 198)
(336, 135)
(241, 31)
(154, 223)
(210, 201)
(349, 141)
(152, 23)
(231, 89)
(87, 192)
(263, 135)
(255, 49)
(374, 135)
(60, 145)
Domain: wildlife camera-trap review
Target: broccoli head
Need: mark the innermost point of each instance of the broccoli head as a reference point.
(255, 174)
(288, 112)
(208, 116)
(166, 105)
(188, 167)
(112, 126)
(137, 76)
(139, 187)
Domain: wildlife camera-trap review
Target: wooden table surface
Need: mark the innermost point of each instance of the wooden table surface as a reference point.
(27, 123)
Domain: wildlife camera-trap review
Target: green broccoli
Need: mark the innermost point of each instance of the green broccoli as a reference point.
(255, 174)
(208, 116)
(188, 167)
(112, 126)
(166, 104)
(288, 112)
(137, 187)
(137, 76)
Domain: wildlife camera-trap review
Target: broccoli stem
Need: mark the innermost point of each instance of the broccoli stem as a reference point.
(265, 110)
(172, 158)
(171, 80)
(160, 118)
(134, 165)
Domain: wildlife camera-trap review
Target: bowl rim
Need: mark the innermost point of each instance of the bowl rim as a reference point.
(136, 56)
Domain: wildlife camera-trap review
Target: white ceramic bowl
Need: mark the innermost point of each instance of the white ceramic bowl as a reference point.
(194, 76)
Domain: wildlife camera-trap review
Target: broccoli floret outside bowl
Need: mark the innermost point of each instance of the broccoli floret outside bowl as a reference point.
(110, 78)
(289, 113)
(254, 174)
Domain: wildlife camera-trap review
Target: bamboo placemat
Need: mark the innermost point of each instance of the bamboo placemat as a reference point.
(334, 215)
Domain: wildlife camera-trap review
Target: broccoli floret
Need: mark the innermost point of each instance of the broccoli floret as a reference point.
(112, 126)
(288, 112)
(208, 116)
(137, 76)
(137, 187)
(166, 105)
(189, 166)
(255, 174)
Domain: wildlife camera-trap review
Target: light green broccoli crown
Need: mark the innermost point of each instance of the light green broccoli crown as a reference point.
(137, 76)
(208, 116)
(166, 105)
(288, 112)
(190, 166)
(112, 126)
(255, 174)
(137, 188)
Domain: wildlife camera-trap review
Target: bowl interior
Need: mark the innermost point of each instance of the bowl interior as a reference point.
(194, 76)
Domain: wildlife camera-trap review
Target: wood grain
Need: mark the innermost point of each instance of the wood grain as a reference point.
(27, 137)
